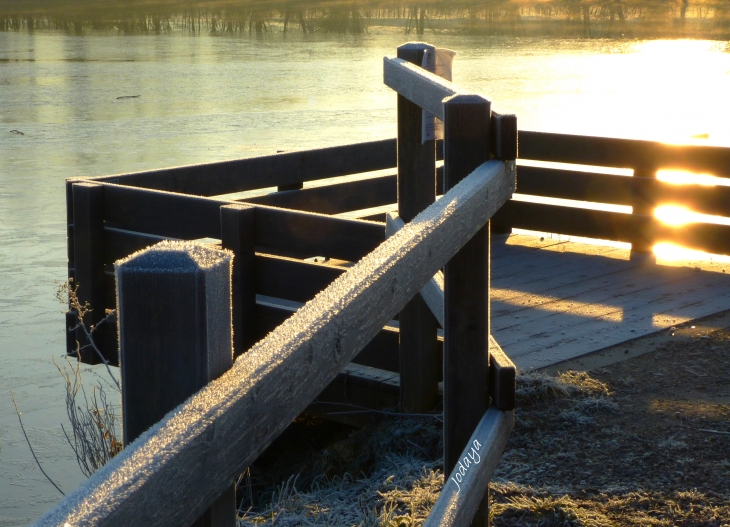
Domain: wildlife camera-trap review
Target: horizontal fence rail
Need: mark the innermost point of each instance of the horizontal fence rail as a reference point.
(114, 220)
(239, 175)
(623, 153)
(226, 425)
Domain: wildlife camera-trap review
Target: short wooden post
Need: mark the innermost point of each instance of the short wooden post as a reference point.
(643, 243)
(416, 191)
(88, 260)
(174, 309)
(503, 139)
(238, 234)
(466, 291)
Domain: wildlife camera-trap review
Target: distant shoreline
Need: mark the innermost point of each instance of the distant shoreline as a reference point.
(646, 20)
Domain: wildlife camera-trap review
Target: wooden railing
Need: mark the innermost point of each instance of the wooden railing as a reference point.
(112, 216)
(472, 135)
(131, 211)
(172, 472)
(171, 307)
(643, 192)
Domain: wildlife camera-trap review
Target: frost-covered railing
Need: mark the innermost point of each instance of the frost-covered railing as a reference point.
(474, 434)
(175, 470)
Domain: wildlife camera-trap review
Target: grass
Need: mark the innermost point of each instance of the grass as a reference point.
(572, 430)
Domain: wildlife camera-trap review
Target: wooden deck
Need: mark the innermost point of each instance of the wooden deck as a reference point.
(554, 300)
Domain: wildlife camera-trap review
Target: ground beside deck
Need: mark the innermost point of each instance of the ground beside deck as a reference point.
(554, 299)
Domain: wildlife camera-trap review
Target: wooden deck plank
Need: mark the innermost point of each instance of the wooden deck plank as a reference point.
(594, 296)
(565, 341)
(590, 316)
(508, 255)
(623, 332)
(641, 299)
(529, 273)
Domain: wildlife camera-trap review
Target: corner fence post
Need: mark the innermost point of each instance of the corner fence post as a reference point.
(238, 234)
(466, 291)
(174, 312)
(88, 262)
(419, 371)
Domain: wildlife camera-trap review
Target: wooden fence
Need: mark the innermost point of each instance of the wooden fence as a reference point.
(211, 437)
(275, 233)
(111, 216)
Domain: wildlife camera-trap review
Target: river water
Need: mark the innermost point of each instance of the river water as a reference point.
(207, 98)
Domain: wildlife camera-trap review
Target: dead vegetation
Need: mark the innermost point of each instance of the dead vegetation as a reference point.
(626, 445)
(93, 435)
(93, 420)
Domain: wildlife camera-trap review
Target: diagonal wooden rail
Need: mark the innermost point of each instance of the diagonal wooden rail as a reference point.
(172, 472)
(428, 91)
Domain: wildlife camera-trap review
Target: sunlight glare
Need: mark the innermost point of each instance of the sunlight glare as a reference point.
(673, 252)
(674, 215)
(683, 177)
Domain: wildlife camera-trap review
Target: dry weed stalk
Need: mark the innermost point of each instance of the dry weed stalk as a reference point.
(93, 420)
(67, 293)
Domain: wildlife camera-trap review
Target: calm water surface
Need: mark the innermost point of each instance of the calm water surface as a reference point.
(205, 98)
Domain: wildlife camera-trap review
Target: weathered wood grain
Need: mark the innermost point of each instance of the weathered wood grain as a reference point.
(174, 312)
(433, 292)
(381, 352)
(590, 328)
(596, 292)
(419, 86)
(468, 482)
(502, 372)
(466, 289)
(428, 91)
(192, 454)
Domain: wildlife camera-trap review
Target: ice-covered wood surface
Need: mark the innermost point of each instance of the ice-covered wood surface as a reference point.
(555, 300)
(195, 451)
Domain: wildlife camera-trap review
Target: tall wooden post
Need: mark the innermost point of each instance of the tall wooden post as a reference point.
(238, 234)
(174, 309)
(466, 291)
(88, 260)
(416, 191)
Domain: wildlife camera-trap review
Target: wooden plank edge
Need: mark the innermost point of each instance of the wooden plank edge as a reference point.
(502, 378)
(467, 484)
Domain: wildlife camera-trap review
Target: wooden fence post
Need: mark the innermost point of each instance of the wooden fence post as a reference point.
(174, 312)
(466, 291)
(416, 191)
(643, 203)
(88, 260)
(238, 234)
